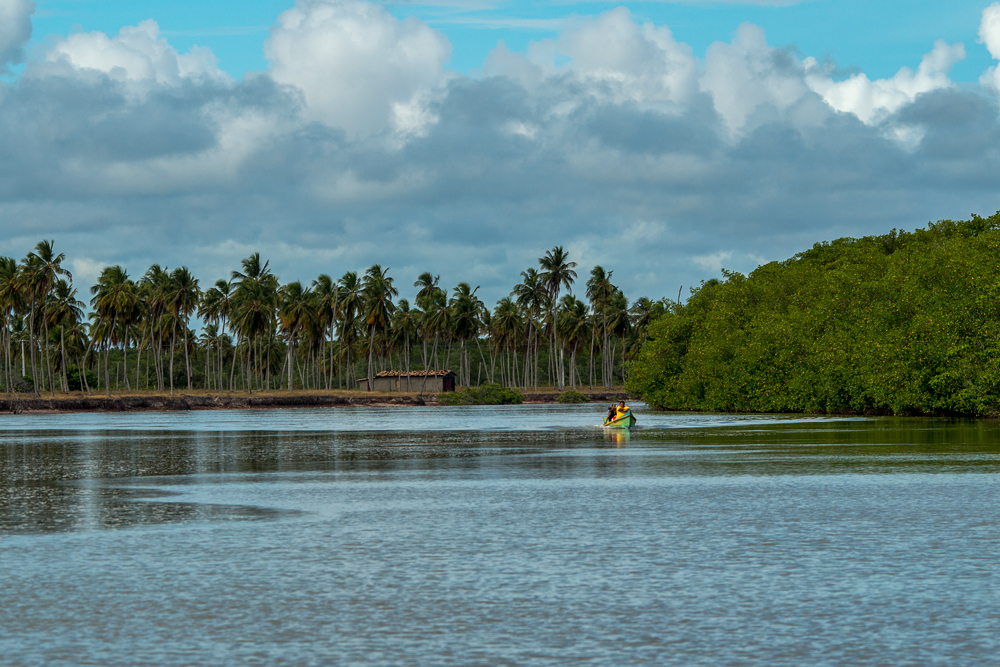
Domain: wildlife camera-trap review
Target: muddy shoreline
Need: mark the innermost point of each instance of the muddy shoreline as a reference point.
(21, 404)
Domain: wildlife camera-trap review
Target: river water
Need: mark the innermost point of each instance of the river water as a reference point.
(496, 536)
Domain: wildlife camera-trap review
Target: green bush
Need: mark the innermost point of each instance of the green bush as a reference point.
(76, 382)
(571, 396)
(487, 394)
(21, 385)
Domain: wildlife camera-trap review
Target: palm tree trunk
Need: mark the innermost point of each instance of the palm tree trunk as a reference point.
(31, 344)
(62, 349)
(187, 358)
(83, 366)
(371, 353)
(6, 355)
(291, 356)
(482, 357)
(48, 361)
(593, 335)
(173, 341)
(128, 387)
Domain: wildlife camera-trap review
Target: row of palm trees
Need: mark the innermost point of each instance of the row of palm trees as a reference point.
(257, 333)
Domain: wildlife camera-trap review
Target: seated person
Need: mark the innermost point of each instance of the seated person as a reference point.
(622, 408)
(611, 414)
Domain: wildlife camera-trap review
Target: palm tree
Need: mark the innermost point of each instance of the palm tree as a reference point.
(154, 288)
(295, 312)
(115, 301)
(349, 296)
(182, 298)
(599, 291)
(41, 269)
(428, 285)
(377, 295)
(404, 328)
(557, 272)
(64, 311)
(573, 329)
(532, 297)
(428, 297)
(504, 327)
(216, 305)
(437, 320)
(327, 303)
(10, 301)
(466, 308)
(618, 324)
(255, 303)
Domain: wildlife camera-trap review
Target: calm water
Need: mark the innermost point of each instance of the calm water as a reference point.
(496, 536)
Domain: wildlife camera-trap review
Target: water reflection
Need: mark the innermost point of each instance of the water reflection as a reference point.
(618, 437)
(691, 540)
(61, 480)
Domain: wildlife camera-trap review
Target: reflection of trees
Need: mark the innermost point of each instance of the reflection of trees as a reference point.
(53, 482)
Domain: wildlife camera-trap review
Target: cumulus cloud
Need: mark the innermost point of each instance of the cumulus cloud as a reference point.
(137, 55)
(616, 58)
(989, 34)
(15, 31)
(358, 67)
(747, 74)
(872, 101)
(357, 147)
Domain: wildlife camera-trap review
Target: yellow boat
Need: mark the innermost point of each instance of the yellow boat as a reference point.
(624, 420)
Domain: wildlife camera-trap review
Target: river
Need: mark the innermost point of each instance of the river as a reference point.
(517, 535)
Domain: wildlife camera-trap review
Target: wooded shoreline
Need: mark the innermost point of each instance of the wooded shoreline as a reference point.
(157, 402)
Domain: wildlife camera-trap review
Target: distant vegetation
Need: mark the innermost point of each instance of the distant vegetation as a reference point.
(487, 394)
(904, 323)
(252, 332)
(571, 396)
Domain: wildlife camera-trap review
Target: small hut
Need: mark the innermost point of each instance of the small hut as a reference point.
(431, 382)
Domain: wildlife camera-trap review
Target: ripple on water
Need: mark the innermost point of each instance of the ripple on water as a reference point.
(437, 536)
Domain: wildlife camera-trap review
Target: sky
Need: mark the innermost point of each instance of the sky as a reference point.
(662, 140)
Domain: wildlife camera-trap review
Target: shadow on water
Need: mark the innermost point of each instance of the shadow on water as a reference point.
(65, 480)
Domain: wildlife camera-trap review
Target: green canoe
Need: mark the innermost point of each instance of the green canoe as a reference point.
(625, 421)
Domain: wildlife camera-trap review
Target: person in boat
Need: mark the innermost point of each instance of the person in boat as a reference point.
(622, 409)
(611, 414)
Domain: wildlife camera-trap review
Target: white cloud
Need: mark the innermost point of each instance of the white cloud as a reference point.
(618, 59)
(138, 55)
(85, 271)
(989, 29)
(15, 30)
(714, 262)
(612, 133)
(359, 68)
(637, 63)
(989, 34)
(747, 74)
(872, 101)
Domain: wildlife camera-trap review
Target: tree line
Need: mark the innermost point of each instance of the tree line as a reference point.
(902, 323)
(251, 332)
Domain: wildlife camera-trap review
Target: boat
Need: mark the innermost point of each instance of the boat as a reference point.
(626, 420)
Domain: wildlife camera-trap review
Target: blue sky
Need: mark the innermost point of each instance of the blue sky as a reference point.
(662, 140)
(877, 37)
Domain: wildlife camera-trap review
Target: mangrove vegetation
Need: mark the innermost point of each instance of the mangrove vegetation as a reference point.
(903, 323)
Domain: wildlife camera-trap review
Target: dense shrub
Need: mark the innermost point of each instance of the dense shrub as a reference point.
(22, 385)
(572, 396)
(76, 382)
(487, 394)
(905, 323)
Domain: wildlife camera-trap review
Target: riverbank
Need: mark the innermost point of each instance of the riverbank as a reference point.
(203, 400)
